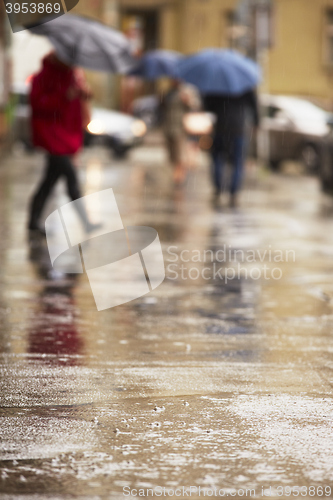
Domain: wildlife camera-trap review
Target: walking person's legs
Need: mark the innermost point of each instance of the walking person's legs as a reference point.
(238, 167)
(73, 189)
(192, 152)
(175, 147)
(217, 164)
(50, 178)
(179, 168)
(58, 166)
(169, 146)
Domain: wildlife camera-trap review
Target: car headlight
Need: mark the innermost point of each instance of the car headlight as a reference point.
(96, 127)
(138, 128)
(198, 123)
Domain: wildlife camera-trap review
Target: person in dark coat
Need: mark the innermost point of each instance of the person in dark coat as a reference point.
(229, 136)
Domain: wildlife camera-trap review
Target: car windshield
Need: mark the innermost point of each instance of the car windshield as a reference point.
(301, 110)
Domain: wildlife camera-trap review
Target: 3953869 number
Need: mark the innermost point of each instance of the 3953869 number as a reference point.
(33, 8)
(304, 491)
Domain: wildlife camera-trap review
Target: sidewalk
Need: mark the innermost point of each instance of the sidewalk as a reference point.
(220, 378)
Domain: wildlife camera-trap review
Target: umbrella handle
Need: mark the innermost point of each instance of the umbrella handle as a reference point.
(75, 49)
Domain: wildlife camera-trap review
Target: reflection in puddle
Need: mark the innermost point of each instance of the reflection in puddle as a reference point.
(53, 334)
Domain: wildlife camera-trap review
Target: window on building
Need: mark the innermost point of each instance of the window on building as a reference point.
(230, 24)
(141, 27)
(329, 36)
(233, 32)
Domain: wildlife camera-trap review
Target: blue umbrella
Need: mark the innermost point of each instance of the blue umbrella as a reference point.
(218, 71)
(157, 63)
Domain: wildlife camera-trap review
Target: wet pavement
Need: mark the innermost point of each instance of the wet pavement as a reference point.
(221, 378)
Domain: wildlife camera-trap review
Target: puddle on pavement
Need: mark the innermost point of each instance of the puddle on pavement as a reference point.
(201, 382)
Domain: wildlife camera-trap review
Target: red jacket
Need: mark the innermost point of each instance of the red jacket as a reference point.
(56, 120)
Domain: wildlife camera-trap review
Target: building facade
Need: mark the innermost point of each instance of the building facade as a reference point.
(299, 57)
(5, 73)
(301, 61)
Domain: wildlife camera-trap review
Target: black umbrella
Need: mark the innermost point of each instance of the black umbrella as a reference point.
(80, 41)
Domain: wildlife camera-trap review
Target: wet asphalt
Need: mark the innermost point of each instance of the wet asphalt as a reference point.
(220, 379)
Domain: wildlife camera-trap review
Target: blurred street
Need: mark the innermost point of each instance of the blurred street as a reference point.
(211, 380)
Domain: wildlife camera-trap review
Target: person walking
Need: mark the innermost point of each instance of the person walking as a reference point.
(192, 98)
(229, 136)
(174, 108)
(59, 100)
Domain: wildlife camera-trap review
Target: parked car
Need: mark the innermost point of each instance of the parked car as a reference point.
(196, 123)
(118, 131)
(326, 166)
(147, 108)
(296, 130)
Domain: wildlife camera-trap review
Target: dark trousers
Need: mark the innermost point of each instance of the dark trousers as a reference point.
(223, 148)
(56, 167)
